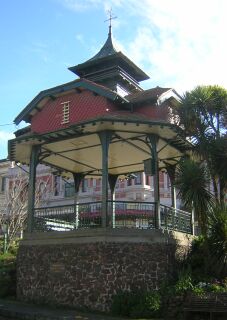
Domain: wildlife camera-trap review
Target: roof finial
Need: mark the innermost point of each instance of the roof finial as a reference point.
(110, 20)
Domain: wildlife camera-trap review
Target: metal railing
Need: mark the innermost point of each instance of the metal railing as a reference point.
(132, 214)
(121, 214)
(67, 217)
(175, 219)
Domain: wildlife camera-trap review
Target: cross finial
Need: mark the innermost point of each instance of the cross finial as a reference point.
(110, 20)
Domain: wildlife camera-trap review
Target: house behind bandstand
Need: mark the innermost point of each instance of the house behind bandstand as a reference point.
(102, 127)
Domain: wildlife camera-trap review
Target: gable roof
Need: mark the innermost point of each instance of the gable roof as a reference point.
(25, 114)
(156, 94)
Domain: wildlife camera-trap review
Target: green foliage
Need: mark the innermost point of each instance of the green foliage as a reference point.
(198, 260)
(137, 304)
(184, 283)
(213, 285)
(203, 114)
(217, 240)
(203, 111)
(12, 248)
(218, 160)
(192, 180)
(207, 259)
(7, 275)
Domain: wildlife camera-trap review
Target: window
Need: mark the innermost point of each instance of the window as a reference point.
(69, 189)
(41, 187)
(138, 177)
(168, 186)
(161, 179)
(56, 185)
(94, 183)
(147, 179)
(41, 190)
(65, 112)
(129, 181)
(84, 185)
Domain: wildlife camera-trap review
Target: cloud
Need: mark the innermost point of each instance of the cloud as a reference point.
(80, 5)
(84, 5)
(5, 136)
(80, 37)
(179, 43)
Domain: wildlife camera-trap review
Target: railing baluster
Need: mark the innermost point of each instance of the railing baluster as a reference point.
(125, 214)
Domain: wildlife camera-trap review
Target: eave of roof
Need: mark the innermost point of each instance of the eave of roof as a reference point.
(138, 74)
(4, 161)
(83, 83)
(113, 117)
(90, 127)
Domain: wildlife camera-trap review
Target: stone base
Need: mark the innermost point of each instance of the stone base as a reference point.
(86, 268)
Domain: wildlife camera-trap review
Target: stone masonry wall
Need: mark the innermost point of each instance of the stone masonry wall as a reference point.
(89, 274)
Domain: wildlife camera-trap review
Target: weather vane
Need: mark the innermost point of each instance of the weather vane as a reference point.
(110, 19)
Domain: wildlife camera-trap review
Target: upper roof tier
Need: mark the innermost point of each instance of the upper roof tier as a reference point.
(106, 50)
(111, 67)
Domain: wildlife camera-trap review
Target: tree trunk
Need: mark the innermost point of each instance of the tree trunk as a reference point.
(215, 189)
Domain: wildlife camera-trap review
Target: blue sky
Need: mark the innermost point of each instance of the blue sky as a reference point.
(180, 44)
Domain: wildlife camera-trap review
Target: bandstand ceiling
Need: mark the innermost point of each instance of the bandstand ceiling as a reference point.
(78, 149)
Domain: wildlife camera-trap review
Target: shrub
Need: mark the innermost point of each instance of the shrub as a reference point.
(137, 304)
(7, 275)
(184, 283)
(217, 241)
(198, 260)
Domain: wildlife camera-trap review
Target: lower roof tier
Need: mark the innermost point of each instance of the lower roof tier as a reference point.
(77, 149)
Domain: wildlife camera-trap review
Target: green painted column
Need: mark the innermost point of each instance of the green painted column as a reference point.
(34, 159)
(153, 140)
(78, 177)
(105, 138)
(171, 173)
(112, 183)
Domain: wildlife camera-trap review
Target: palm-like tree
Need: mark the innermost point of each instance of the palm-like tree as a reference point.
(192, 181)
(217, 240)
(203, 111)
(203, 114)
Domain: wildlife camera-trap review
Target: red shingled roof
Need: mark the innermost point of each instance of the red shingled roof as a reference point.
(150, 94)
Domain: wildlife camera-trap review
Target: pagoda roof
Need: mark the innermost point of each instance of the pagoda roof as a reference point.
(107, 49)
(109, 54)
(51, 93)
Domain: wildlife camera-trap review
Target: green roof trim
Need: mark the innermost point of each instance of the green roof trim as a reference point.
(78, 130)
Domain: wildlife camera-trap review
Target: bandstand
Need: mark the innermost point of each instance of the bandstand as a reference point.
(102, 124)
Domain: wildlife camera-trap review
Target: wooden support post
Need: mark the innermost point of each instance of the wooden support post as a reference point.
(105, 138)
(31, 188)
(153, 139)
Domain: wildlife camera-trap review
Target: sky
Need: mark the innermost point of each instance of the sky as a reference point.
(178, 43)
